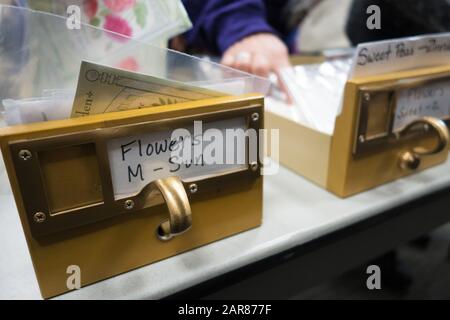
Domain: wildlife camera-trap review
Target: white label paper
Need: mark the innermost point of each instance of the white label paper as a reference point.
(428, 100)
(138, 160)
(400, 54)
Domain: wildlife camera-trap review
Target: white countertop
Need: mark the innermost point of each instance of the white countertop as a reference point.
(295, 211)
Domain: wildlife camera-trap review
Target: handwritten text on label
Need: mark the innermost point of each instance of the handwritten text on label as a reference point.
(428, 100)
(400, 54)
(138, 160)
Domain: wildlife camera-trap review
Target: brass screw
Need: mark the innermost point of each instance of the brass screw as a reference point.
(39, 217)
(361, 139)
(193, 188)
(129, 204)
(409, 160)
(255, 116)
(25, 155)
(254, 166)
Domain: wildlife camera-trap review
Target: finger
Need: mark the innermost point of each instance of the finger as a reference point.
(260, 65)
(228, 58)
(283, 87)
(242, 61)
(283, 61)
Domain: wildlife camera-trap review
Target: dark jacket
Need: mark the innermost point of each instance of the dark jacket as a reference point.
(217, 24)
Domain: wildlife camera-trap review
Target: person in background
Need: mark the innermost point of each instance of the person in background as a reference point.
(255, 36)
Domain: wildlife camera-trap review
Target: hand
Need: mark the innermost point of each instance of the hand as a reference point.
(260, 54)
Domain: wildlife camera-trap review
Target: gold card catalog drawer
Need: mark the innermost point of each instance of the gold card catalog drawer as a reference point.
(390, 126)
(112, 192)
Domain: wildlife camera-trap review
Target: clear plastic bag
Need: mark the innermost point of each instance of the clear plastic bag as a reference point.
(317, 91)
(40, 54)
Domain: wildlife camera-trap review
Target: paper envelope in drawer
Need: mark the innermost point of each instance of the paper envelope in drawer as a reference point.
(390, 126)
(103, 195)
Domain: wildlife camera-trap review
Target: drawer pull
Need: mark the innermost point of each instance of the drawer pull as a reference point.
(176, 199)
(410, 159)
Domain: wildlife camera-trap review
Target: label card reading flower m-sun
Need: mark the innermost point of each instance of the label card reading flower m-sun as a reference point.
(138, 160)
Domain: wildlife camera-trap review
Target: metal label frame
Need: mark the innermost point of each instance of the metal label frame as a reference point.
(33, 192)
(363, 144)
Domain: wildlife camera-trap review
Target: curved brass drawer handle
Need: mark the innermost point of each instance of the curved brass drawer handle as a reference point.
(176, 199)
(411, 159)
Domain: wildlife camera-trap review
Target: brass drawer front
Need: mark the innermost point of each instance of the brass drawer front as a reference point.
(65, 180)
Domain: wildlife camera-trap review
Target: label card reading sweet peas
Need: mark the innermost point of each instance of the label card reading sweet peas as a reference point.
(138, 160)
(427, 100)
(382, 57)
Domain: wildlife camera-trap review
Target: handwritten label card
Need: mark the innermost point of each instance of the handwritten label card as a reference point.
(428, 100)
(138, 160)
(400, 54)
